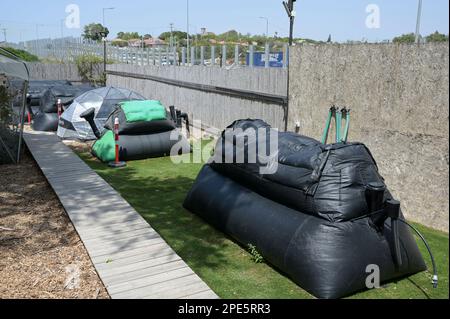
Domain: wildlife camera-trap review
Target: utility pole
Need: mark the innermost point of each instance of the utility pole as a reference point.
(267, 26)
(104, 9)
(187, 36)
(290, 10)
(171, 36)
(62, 28)
(419, 16)
(4, 34)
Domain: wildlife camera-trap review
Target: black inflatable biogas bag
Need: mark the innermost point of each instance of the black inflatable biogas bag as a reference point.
(138, 127)
(322, 180)
(320, 216)
(47, 118)
(145, 131)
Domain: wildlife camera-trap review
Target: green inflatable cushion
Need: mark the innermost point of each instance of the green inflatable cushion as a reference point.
(143, 111)
(105, 148)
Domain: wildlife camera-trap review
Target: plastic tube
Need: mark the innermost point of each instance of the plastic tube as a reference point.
(89, 117)
(338, 125)
(328, 124)
(347, 126)
(435, 273)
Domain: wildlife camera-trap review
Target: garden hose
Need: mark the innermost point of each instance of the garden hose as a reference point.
(346, 114)
(338, 125)
(331, 114)
(435, 273)
(392, 210)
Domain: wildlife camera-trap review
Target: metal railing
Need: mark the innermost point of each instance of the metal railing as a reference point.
(238, 55)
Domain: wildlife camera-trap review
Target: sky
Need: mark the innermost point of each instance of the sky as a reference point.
(316, 19)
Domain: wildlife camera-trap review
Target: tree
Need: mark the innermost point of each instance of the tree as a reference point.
(176, 34)
(405, 38)
(231, 35)
(437, 37)
(94, 31)
(90, 69)
(128, 35)
(329, 39)
(147, 36)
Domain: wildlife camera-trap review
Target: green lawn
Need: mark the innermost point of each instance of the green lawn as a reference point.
(156, 188)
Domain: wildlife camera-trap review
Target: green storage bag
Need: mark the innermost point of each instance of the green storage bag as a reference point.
(143, 111)
(105, 148)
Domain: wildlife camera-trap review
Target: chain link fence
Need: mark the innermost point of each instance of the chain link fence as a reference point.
(13, 90)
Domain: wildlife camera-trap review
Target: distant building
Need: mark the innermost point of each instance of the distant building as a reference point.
(135, 43)
(154, 42)
(204, 32)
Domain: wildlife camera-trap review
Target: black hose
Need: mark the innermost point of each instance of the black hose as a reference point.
(186, 119)
(173, 113)
(89, 116)
(435, 273)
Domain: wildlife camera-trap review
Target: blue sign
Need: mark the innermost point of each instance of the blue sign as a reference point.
(259, 59)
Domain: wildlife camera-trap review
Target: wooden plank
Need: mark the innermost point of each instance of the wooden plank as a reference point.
(108, 232)
(138, 253)
(149, 267)
(208, 294)
(107, 251)
(156, 290)
(181, 292)
(131, 235)
(146, 255)
(130, 257)
(134, 283)
(137, 276)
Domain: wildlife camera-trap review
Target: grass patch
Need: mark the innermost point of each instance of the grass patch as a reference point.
(156, 188)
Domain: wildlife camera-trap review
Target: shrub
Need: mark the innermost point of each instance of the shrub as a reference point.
(23, 55)
(90, 69)
(5, 109)
(256, 256)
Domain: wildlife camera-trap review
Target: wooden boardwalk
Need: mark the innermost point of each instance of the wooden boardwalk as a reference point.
(132, 260)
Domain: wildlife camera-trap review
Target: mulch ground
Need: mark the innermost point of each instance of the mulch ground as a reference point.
(41, 255)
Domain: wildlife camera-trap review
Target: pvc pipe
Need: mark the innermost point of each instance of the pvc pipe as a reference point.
(116, 138)
(59, 106)
(327, 127)
(347, 127)
(338, 125)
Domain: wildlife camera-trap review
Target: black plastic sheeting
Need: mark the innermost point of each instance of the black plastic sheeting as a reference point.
(36, 89)
(139, 147)
(327, 181)
(142, 127)
(311, 218)
(46, 119)
(327, 259)
(48, 102)
(45, 122)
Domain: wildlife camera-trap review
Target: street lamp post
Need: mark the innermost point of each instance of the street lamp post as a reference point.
(419, 15)
(187, 29)
(267, 25)
(290, 10)
(104, 9)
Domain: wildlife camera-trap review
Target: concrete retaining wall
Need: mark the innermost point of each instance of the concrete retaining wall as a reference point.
(400, 107)
(214, 110)
(60, 71)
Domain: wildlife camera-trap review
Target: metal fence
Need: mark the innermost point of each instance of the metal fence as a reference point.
(11, 95)
(238, 55)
